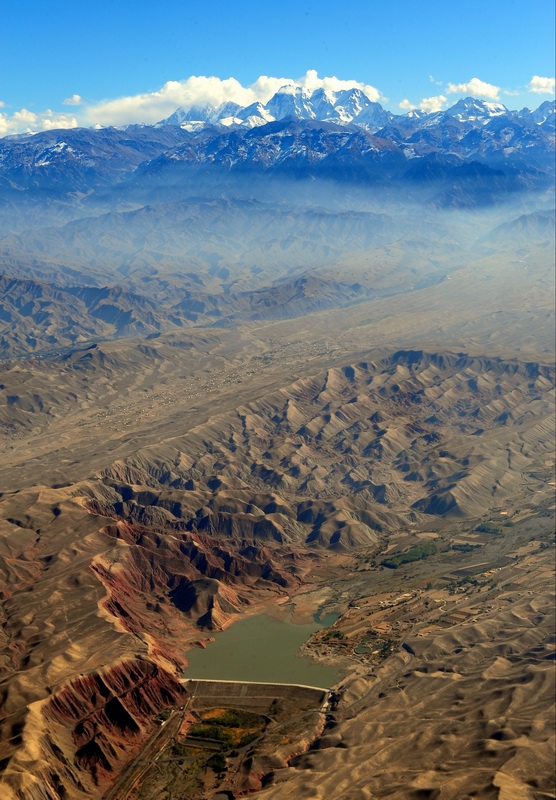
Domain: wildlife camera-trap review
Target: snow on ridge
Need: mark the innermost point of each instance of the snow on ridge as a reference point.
(345, 107)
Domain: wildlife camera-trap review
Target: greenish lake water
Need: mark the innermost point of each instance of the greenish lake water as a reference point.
(262, 649)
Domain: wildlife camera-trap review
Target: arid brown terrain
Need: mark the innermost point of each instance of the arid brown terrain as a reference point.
(155, 490)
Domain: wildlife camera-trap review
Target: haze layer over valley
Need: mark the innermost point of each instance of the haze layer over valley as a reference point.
(295, 358)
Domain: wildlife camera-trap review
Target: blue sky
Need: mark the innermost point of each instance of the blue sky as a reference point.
(408, 50)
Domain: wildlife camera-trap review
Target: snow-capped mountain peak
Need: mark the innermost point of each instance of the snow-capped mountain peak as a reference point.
(543, 115)
(291, 101)
(229, 109)
(323, 103)
(193, 114)
(255, 110)
(470, 109)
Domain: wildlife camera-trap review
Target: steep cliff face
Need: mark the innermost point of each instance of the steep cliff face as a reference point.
(205, 579)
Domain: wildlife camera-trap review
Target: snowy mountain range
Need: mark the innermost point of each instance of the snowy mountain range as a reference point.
(349, 106)
(290, 102)
(340, 135)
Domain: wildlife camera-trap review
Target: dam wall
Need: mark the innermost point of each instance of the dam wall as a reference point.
(248, 695)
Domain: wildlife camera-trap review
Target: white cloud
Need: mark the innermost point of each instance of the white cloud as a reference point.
(540, 85)
(427, 104)
(475, 88)
(51, 121)
(73, 100)
(25, 121)
(430, 104)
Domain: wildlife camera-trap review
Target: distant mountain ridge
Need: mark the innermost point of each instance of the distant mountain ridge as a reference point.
(336, 135)
(345, 107)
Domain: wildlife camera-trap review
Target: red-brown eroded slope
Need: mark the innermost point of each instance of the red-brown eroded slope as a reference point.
(98, 615)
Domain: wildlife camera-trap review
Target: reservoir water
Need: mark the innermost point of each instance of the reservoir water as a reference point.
(261, 648)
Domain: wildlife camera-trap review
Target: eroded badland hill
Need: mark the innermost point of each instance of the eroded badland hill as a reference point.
(206, 475)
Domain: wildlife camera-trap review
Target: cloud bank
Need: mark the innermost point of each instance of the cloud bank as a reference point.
(25, 121)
